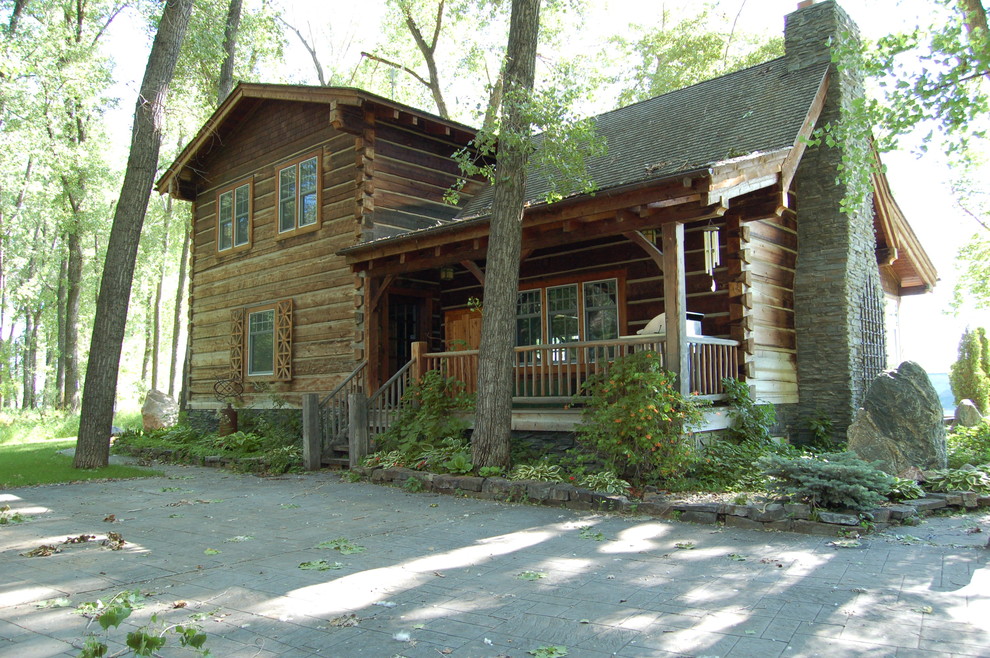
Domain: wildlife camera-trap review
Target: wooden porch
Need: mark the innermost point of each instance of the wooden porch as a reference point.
(554, 375)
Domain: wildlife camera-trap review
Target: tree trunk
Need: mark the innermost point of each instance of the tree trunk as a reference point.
(73, 291)
(428, 50)
(146, 357)
(975, 20)
(93, 444)
(229, 50)
(180, 294)
(60, 296)
(490, 440)
(28, 355)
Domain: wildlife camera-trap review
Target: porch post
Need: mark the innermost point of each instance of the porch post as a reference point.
(312, 432)
(357, 428)
(675, 305)
(418, 349)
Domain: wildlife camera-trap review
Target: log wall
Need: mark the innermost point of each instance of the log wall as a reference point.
(302, 267)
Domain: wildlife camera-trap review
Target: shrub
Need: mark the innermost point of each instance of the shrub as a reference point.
(959, 479)
(427, 416)
(969, 445)
(750, 421)
(968, 376)
(634, 420)
(727, 465)
(606, 482)
(830, 480)
(543, 470)
(905, 489)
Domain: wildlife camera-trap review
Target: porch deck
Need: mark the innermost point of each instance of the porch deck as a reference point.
(555, 374)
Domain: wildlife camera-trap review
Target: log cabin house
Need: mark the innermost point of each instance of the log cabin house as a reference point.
(325, 260)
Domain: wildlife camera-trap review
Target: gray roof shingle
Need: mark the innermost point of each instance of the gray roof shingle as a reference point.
(758, 109)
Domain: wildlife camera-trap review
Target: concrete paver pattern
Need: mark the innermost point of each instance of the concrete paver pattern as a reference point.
(442, 575)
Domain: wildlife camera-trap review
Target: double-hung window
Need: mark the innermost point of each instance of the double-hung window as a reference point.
(261, 342)
(299, 195)
(234, 217)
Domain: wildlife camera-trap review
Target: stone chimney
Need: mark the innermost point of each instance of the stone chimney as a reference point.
(837, 289)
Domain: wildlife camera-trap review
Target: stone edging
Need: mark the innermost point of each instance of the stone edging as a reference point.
(790, 517)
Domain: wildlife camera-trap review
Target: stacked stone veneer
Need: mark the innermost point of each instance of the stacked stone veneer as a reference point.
(836, 265)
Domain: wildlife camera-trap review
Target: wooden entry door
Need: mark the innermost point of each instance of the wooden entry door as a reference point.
(407, 322)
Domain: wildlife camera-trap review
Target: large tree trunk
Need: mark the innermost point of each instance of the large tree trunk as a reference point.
(229, 50)
(73, 291)
(28, 359)
(180, 294)
(99, 394)
(63, 273)
(490, 441)
(146, 358)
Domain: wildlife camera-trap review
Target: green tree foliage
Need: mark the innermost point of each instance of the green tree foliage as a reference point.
(967, 375)
(678, 53)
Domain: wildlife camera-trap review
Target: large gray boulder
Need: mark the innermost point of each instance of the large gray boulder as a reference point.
(159, 410)
(900, 424)
(967, 414)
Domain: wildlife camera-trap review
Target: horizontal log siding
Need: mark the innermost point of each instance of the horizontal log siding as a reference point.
(644, 281)
(412, 172)
(302, 267)
(773, 257)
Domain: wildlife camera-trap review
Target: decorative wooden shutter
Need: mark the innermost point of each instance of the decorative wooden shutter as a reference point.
(283, 340)
(237, 344)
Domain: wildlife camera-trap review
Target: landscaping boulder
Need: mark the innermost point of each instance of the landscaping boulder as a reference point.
(967, 414)
(159, 410)
(900, 424)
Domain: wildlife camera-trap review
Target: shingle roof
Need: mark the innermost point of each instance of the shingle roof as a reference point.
(758, 109)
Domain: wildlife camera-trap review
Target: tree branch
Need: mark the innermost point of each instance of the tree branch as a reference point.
(396, 65)
(312, 52)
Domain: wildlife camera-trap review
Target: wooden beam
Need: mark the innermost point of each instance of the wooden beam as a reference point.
(377, 296)
(473, 268)
(789, 167)
(651, 249)
(675, 305)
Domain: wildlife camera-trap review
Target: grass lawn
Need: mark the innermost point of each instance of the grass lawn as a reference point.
(29, 456)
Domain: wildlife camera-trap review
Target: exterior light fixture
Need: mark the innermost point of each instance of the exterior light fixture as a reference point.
(447, 273)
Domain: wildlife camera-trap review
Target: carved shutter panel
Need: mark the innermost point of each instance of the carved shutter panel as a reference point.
(236, 343)
(283, 340)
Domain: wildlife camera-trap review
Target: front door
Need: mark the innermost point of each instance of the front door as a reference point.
(405, 325)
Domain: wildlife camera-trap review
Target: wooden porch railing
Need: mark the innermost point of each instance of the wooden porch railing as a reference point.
(334, 410)
(385, 404)
(556, 373)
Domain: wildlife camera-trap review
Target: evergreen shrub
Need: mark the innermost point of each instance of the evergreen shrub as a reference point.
(830, 480)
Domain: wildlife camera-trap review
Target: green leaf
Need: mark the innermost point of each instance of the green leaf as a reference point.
(320, 565)
(531, 575)
(211, 551)
(114, 616)
(144, 644)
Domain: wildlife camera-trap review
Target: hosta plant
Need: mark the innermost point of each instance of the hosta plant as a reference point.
(959, 479)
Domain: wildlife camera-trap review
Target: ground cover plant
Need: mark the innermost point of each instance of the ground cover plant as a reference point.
(29, 447)
(968, 445)
(275, 452)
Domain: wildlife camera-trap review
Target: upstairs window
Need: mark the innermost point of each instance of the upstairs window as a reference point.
(299, 195)
(234, 217)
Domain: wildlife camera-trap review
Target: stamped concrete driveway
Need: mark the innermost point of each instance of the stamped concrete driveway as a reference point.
(463, 577)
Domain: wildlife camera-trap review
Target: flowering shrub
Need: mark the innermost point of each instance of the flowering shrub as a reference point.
(635, 420)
